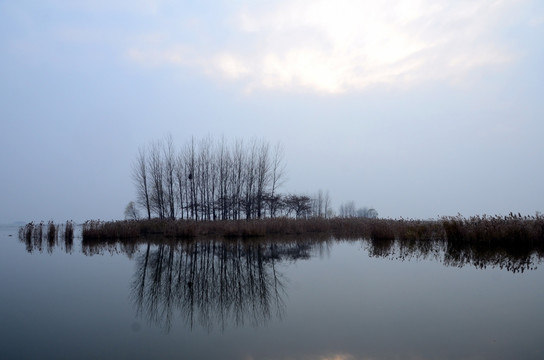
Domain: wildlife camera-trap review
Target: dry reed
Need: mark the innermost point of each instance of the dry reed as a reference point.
(512, 229)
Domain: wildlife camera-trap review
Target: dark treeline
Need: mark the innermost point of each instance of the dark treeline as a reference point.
(210, 180)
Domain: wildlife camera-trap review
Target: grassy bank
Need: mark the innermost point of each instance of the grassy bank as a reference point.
(480, 229)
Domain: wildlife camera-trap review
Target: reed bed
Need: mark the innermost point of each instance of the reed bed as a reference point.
(508, 229)
(52, 232)
(35, 234)
(69, 231)
(511, 229)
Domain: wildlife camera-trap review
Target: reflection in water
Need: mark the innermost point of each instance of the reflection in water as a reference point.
(514, 257)
(129, 248)
(219, 283)
(209, 283)
(36, 236)
(213, 283)
(511, 257)
(344, 307)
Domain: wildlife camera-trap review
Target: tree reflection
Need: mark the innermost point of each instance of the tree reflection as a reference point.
(221, 283)
(213, 283)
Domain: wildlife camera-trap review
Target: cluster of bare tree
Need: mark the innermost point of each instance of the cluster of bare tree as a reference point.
(349, 210)
(208, 180)
(217, 180)
(304, 206)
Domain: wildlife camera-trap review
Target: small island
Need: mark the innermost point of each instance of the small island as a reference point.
(222, 189)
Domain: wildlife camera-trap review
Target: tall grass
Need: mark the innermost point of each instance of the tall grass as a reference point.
(33, 235)
(508, 229)
(69, 236)
(69, 231)
(513, 242)
(52, 233)
(52, 236)
(512, 229)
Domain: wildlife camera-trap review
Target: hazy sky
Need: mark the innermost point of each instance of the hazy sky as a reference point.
(416, 108)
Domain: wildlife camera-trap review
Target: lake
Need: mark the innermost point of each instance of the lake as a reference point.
(281, 299)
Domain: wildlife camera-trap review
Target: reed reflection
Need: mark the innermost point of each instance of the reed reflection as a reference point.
(518, 258)
(213, 283)
(510, 256)
(50, 235)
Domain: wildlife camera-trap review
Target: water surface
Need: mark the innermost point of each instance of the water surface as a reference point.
(267, 300)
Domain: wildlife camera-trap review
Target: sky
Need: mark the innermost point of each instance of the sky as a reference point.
(416, 108)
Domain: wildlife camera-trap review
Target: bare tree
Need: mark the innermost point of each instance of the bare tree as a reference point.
(327, 205)
(224, 163)
(274, 204)
(348, 210)
(277, 175)
(317, 204)
(169, 169)
(140, 178)
(237, 179)
(131, 211)
(250, 176)
(181, 184)
(209, 181)
(204, 178)
(365, 212)
(156, 166)
(262, 175)
(189, 158)
(300, 204)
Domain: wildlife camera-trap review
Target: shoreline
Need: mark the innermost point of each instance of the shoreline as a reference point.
(503, 229)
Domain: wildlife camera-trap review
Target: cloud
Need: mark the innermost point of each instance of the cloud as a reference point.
(337, 46)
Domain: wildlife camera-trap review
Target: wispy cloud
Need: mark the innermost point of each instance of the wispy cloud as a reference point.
(336, 46)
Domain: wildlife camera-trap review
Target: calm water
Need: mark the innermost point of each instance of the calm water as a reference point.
(251, 300)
